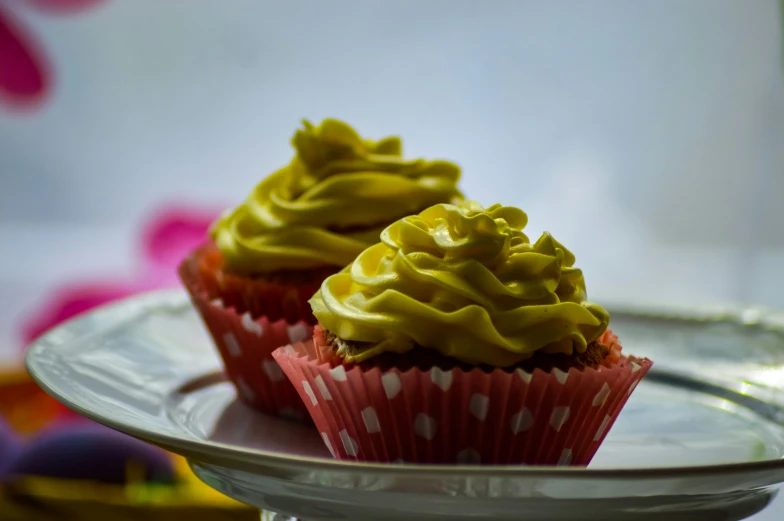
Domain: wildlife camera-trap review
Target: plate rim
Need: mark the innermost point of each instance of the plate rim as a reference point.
(143, 302)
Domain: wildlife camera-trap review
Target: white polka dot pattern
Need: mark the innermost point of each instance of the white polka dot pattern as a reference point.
(250, 326)
(246, 391)
(349, 444)
(458, 416)
(566, 457)
(526, 377)
(309, 391)
(246, 347)
(478, 406)
(601, 396)
(602, 427)
(559, 416)
(322, 387)
(370, 419)
(273, 370)
(230, 341)
(338, 373)
(635, 367)
(299, 332)
(522, 421)
(391, 384)
(442, 379)
(425, 426)
(325, 437)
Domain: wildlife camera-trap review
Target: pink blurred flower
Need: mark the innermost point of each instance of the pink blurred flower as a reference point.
(25, 72)
(168, 237)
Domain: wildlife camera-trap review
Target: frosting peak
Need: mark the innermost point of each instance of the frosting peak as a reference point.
(334, 141)
(460, 232)
(466, 281)
(330, 202)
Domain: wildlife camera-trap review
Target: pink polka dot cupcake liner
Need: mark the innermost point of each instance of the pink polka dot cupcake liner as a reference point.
(246, 345)
(461, 417)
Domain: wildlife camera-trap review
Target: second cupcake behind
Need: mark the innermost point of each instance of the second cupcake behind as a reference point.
(304, 222)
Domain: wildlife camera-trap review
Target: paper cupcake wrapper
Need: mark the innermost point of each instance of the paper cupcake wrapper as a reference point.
(456, 416)
(259, 296)
(246, 345)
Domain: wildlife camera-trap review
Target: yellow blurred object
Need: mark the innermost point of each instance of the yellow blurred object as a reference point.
(34, 499)
(28, 409)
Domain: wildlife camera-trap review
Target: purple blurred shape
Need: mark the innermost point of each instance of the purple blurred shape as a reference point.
(9, 446)
(91, 452)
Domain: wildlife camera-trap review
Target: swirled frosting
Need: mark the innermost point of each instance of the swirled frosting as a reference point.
(465, 281)
(330, 202)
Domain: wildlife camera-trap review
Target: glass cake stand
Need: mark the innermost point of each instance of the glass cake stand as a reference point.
(702, 438)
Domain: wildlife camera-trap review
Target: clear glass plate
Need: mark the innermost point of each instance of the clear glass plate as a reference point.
(701, 438)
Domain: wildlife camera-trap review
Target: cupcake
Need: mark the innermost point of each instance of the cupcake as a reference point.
(457, 340)
(269, 255)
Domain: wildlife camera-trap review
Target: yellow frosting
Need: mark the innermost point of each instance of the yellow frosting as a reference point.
(330, 203)
(465, 281)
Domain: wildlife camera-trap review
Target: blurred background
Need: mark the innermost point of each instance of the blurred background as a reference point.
(647, 136)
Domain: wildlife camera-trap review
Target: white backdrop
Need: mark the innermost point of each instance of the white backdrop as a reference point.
(647, 136)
